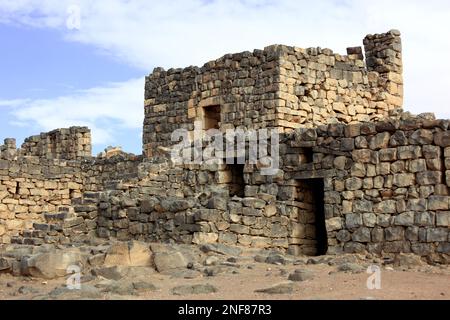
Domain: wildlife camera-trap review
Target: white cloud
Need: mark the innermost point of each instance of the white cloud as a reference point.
(104, 109)
(180, 33)
(13, 103)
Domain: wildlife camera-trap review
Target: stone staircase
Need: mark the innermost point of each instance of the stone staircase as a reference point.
(74, 224)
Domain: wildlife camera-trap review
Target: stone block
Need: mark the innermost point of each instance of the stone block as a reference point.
(404, 180)
(424, 219)
(353, 221)
(429, 178)
(361, 235)
(443, 219)
(404, 219)
(438, 203)
(394, 233)
(334, 224)
(437, 234)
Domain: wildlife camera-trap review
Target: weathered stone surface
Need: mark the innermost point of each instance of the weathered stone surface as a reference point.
(442, 139)
(51, 265)
(408, 260)
(334, 224)
(117, 255)
(443, 219)
(353, 184)
(281, 288)
(362, 206)
(424, 219)
(221, 249)
(277, 259)
(444, 247)
(344, 236)
(409, 152)
(203, 237)
(353, 221)
(165, 261)
(140, 254)
(421, 136)
(194, 289)
(86, 292)
(429, 178)
(380, 141)
(5, 264)
(176, 205)
(301, 275)
(239, 229)
(438, 203)
(404, 219)
(361, 235)
(437, 234)
(351, 267)
(386, 207)
(404, 180)
(217, 203)
(111, 273)
(394, 233)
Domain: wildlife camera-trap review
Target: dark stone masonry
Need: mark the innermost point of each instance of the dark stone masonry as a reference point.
(356, 173)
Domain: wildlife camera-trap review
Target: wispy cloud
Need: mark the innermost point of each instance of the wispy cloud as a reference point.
(104, 109)
(181, 33)
(13, 103)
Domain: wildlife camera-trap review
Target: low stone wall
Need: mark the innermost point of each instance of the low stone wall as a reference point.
(30, 186)
(196, 208)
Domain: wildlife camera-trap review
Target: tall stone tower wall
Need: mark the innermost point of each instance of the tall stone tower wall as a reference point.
(279, 87)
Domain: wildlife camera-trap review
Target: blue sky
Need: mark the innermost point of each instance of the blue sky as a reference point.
(39, 64)
(54, 75)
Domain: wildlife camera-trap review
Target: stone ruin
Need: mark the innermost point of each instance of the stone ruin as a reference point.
(356, 174)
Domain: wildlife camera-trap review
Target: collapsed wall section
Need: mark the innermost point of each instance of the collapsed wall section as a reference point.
(71, 143)
(318, 86)
(30, 187)
(51, 197)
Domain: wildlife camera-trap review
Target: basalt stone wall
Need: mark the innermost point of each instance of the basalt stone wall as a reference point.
(194, 204)
(319, 87)
(103, 172)
(31, 186)
(243, 86)
(386, 184)
(279, 87)
(71, 143)
(366, 187)
(34, 190)
(8, 150)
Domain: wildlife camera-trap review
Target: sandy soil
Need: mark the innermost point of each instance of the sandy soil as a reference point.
(425, 282)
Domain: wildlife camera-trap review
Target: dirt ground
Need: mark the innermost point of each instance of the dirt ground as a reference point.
(419, 283)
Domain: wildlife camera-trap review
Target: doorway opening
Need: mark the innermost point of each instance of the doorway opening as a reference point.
(237, 184)
(312, 215)
(211, 117)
